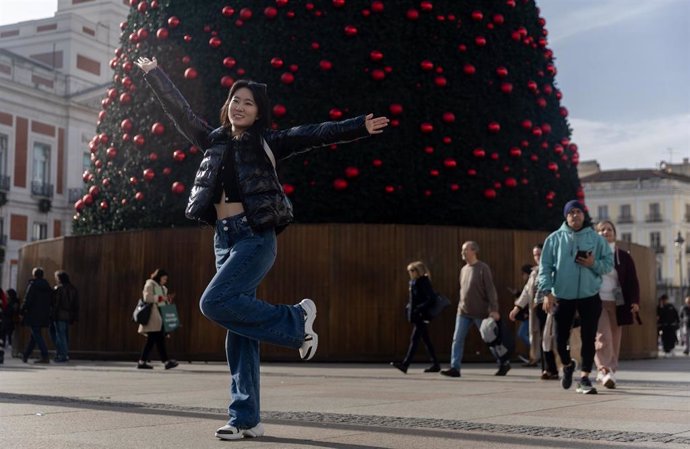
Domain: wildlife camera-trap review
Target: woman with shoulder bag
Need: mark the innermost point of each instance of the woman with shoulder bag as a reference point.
(156, 293)
(620, 299)
(422, 297)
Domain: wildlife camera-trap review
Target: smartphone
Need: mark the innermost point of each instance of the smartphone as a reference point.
(582, 254)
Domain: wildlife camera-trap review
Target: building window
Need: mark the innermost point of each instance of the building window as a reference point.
(654, 213)
(659, 279)
(603, 212)
(4, 179)
(655, 242)
(626, 237)
(687, 213)
(626, 214)
(40, 181)
(3, 236)
(40, 231)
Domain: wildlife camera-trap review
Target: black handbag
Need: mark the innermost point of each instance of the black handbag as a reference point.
(440, 303)
(142, 312)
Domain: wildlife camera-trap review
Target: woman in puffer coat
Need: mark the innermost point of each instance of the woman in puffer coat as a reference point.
(237, 190)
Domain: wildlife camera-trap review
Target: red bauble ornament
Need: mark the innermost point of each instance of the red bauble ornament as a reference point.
(469, 69)
(86, 176)
(133, 180)
(338, 3)
(139, 140)
(395, 109)
(94, 191)
(506, 88)
(375, 55)
(378, 75)
(335, 114)
(515, 152)
(287, 78)
(143, 33)
(227, 11)
(149, 175)
(480, 41)
(276, 63)
(426, 6)
(270, 12)
(153, 157)
(440, 81)
(167, 171)
(510, 182)
(325, 65)
(111, 153)
(179, 155)
(126, 125)
(377, 6)
(377, 163)
(498, 19)
(477, 16)
(157, 128)
(479, 153)
(186, 59)
(177, 188)
(191, 73)
(246, 14)
(227, 81)
(526, 124)
(450, 163)
(389, 189)
(490, 194)
(139, 196)
(104, 205)
(426, 128)
(501, 72)
(230, 62)
(279, 111)
(215, 42)
(162, 33)
(552, 166)
(125, 98)
(412, 14)
(455, 187)
(351, 172)
(350, 30)
(448, 117)
(471, 172)
(426, 65)
(79, 205)
(289, 189)
(494, 127)
(87, 199)
(340, 184)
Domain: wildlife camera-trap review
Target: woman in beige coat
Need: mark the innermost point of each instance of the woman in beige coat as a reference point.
(156, 293)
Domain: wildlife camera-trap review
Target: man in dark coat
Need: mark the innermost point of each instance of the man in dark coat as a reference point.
(36, 312)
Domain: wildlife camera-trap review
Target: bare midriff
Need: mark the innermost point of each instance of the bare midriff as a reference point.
(225, 210)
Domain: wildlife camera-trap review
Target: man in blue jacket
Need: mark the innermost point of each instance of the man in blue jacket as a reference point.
(572, 261)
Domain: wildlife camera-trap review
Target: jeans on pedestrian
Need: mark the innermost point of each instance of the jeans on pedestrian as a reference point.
(60, 336)
(36, 339)
(462, 327)
(243, 258)
(523, 332)
(589, 310)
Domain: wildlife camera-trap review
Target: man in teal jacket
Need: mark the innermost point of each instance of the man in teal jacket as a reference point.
(572, 262)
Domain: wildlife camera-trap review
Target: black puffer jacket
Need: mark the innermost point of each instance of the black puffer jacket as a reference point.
(37, 303)
(266, 205)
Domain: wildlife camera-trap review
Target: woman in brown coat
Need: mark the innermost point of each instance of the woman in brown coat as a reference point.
(156, 293)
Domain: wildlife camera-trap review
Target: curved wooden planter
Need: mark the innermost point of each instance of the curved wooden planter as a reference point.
(356, 273)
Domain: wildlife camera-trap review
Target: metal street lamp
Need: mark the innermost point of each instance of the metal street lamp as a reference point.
(678, 242)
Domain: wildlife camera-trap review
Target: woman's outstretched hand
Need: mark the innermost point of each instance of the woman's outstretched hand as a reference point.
(375, 125)
(146, 64)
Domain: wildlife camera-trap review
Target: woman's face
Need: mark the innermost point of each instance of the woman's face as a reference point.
(243, 111)
(536, 254)
(606, 231)
(164, 280)
(413, 272)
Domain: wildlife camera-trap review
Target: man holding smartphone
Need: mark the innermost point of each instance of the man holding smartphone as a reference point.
(572, 262)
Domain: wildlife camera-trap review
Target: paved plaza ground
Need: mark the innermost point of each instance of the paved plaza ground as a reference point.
(92, 404)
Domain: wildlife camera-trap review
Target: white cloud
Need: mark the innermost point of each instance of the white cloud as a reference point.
(633, 145)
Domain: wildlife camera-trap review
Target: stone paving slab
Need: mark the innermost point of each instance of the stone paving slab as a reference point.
(87, 404)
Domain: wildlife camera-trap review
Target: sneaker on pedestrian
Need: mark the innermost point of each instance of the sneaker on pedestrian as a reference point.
(451, 372)
(311, 339)
(42, 361)
(170, 364)
(600, 376)
(609, 381)
(401, 366)
(523, 359)
(584, 386)
(503, 369)
(144, 365)
(567, 379)
(435, 368)
(228, 432)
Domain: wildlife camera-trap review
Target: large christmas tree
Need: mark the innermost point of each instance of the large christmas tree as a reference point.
(478, 136)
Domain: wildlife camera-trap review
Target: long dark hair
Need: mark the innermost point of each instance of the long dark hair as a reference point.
(260, 94)
(62, 277)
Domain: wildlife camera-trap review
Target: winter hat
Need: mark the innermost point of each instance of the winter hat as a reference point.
(573, 204)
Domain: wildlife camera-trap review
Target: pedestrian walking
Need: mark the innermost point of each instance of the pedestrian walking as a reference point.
(668, 322)
(35, 311)
(65, 313)
(155, 293)
(685, 325)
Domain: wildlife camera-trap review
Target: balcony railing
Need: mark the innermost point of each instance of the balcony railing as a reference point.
(654, 218)
(4, 183)
(625, 219)
(41, 189)
(659, 249)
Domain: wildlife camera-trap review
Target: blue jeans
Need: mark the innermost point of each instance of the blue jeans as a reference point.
(60, 336)
(36, 339)
(462, 327)
(243, 258)
(523, 332)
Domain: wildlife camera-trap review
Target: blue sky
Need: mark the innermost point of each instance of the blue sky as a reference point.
(623, 67)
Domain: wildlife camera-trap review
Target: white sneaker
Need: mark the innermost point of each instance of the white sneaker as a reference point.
(311, 339)
(228, 432)
(600, 376)
(609, 381)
